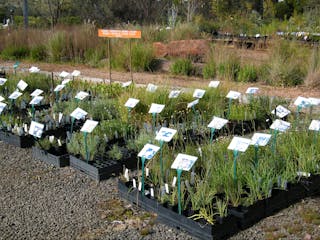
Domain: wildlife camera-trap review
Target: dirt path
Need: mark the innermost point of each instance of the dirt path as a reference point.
(168, 80)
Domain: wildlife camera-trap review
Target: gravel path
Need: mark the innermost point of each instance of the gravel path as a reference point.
(38, 201)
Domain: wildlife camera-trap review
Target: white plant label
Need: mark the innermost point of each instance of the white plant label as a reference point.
(1, 98)
(148, 151)
(36, 129)
(51, 139)
(25, 126)
(302, 102)
(281, 111)
(75, 73)
(252, 90)
(58, 88)
(34, 69)
(88, 126)
(166, 186)
(22, 85)
(2, 106)
(233, 95)
(59, 143)
(36, 92)
(165, 134)
(81, 95)
(193, 103)
(151, 87)
(151, 192)
(199, 93)
(174, 181)
(280, 125)
(260, 139)
(36, 100)
(303, 174)
(126, 84)
(78, 114)
(126, 174)
(174, 93)
(217, 123)
(156, 108)
(239, 144)
(2, 81)
(184, 162)
(64, 74)
(214, 84)
(139, 186)
(315, 125)
(60, 116)
(131, 103)
(134, 183)
(314, 101)
(15, 95)
(147, 172)
(66, 81)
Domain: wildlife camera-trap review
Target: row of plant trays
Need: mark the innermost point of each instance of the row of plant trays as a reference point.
(238, 218)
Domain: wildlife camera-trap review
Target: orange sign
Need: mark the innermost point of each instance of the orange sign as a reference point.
(118, 33)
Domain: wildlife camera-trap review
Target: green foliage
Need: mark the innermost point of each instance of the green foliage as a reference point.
(115, 152)
(57, 47)
(182, 67)
(142, 56)
(12, 52)
(38, 53)
(229, 68)
(93, 56)
(247, 73)
(209, 70)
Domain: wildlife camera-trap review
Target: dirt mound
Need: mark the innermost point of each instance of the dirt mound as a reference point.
(182, 48)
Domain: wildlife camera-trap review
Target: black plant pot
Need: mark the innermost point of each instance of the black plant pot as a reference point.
(225, 227)
(57, 159)
(248, 216)
(296, 192)
(277, 201)
(312, 185)
(25, 141)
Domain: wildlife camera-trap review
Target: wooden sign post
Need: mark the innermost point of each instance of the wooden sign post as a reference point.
(129, 34)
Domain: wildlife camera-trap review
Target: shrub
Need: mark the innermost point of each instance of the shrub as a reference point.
(248, 73)
(14, 52)
(38, 53)
(182, 67)
(93, 56)
(209, 70)
(142, 56)
(57, 46)
(229, 68)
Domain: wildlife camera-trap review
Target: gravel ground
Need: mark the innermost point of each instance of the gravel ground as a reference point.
(38, 201)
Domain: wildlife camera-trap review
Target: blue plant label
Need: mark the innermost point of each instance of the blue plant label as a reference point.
(260, 139)
(280, 125)
(156, 108)
(315, 125)
(15, 95)
(252, 90)
(36, 92)
(214, 84)
(198, 93)
(174, 93)
(58, 88)
(64, 74)
(36, 100)
(148, 151)
(81, 95)
(233, 95)
(165, 134)
(302, 102)
(126, 84)
(34, 69)
(36, 129)
(2, 81)
(76, 73)
(2, 106)
(184, 162)
(193, 103)
(78, 114)
(88, 126)
(217, 123)
(131, 103)
(280, 111)
(22, 85)
(239, 144)
(151, 87)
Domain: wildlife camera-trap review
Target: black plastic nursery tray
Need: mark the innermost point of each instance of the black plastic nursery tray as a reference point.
(57, 160)
(25, 141)
(168, 216)
(103, 169)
